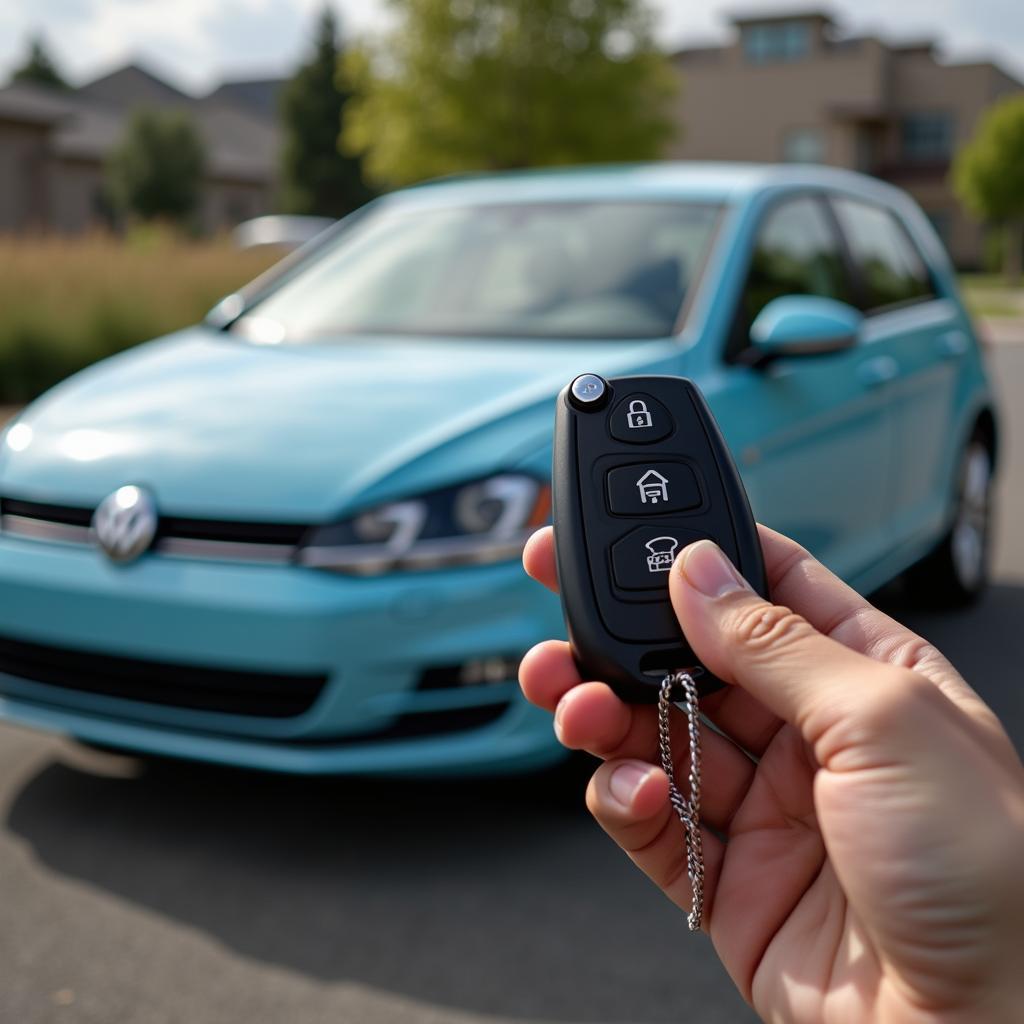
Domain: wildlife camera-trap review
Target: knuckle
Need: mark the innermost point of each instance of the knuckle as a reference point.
(916, 651)
(899, 699)
(881, 717)
(763, 627)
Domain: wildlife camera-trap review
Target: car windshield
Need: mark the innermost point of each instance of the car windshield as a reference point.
(552, 270)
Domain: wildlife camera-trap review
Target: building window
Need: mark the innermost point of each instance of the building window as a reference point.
(803, 146)
(773, 43)
(927, 138)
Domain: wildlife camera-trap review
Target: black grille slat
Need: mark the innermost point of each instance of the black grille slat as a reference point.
(66, 515)
(233, 532)
(471, 674)
(431, 723)
(415, 725)
(257, 694)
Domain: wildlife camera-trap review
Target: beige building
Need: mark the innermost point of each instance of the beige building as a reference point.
(54, 145)
(791, 88)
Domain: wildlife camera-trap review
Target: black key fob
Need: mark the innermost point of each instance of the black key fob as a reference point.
(640, 471)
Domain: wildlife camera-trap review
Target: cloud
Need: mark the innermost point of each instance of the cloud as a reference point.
(196, 42)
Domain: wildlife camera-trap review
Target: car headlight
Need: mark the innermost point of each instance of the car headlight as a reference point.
(473, 524)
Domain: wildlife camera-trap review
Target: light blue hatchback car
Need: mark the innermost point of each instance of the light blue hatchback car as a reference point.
(288, 538)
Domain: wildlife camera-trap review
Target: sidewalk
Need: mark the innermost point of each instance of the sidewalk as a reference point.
(1000, 330)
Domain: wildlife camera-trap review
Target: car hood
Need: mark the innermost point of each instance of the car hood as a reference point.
(218, 428)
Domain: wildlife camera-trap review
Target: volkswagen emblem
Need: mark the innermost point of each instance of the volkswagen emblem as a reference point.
(124, 523)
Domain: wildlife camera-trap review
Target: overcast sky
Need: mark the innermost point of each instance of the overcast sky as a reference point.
(195, 43)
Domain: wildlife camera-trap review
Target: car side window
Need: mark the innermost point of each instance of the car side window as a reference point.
(797, 252)
(891, 269)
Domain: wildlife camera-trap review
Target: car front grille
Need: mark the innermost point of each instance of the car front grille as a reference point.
(176, 535)
(199, 688)
(417, 725)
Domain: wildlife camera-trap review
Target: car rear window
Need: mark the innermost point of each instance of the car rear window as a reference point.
(891, 269)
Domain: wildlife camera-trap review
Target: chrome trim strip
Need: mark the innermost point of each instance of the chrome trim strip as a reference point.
(43, 529)
(46, 531)
(354, 559)
(375, 559)
(224, 550)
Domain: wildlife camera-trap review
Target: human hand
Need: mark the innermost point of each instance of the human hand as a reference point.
(867, 855)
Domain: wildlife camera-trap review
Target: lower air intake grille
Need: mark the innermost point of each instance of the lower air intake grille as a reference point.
(259, 694)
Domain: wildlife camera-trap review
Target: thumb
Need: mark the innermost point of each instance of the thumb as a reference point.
(803, 676)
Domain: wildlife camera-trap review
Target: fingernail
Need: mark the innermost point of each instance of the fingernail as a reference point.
(559, 709)
(626, 780)
(708, 570)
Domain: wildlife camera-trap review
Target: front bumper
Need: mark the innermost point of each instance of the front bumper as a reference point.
(370, 638)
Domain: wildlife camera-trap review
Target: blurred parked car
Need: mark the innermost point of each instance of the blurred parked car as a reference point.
(289, 538)
(288, 231)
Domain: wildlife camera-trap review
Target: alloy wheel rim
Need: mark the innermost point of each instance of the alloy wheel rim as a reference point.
(970, 530)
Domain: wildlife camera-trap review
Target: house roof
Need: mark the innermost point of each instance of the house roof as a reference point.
(797, 14)
(259, 96)
(132, 86)
(90, 134)
(29, 103)
(922, 46)
(87, 123)
(238, 144)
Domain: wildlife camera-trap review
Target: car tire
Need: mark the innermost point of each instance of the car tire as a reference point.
(956, 573)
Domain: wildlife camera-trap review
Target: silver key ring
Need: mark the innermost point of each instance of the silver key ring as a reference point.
(687, 809)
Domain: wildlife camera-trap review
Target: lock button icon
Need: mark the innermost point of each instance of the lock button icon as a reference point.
(639, 416)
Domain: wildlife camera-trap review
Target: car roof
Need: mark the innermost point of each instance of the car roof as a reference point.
(732, 183)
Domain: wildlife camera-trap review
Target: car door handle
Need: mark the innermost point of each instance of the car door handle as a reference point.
(953, 344)
(874, 373)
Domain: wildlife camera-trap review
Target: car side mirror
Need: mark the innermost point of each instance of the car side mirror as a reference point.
(803, 325)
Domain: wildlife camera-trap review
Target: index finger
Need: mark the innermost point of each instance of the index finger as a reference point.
(732, 710)
(539, 558)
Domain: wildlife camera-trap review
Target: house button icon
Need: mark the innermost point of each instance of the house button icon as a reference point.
(652, 489)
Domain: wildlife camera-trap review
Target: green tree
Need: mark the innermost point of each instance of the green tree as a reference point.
(989, 177)
(39, 66)
(157, 170)
(463, 85)
(318, 177)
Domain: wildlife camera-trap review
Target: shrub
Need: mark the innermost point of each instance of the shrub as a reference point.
(157, 169)
(64, 303)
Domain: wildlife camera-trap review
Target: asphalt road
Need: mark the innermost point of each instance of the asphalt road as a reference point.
(182, 894)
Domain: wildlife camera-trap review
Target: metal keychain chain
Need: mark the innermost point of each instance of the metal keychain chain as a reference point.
(687, 809)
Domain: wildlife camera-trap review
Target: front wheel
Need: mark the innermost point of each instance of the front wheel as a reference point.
(956, 573)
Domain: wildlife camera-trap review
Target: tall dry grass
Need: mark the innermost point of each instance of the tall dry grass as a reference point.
(64, 303)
